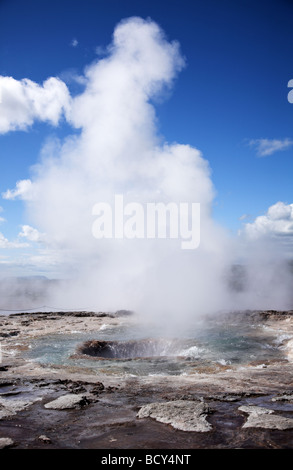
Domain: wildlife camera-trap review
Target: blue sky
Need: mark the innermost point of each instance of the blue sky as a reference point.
(229, 101)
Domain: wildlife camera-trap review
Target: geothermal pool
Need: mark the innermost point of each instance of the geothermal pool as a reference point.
(137, 350)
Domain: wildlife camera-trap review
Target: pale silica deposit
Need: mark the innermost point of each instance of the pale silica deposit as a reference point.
(101, 380)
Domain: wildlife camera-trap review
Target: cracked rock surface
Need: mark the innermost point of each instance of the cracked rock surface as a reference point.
(11, 407)
(5, 442)
(259, 417)
(68, 401)
(181, 414)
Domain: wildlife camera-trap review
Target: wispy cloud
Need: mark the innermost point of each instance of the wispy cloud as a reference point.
(74, 42)
(101, 50)
(5, 243)
(2, 218)
(265, 147)
(244, 217)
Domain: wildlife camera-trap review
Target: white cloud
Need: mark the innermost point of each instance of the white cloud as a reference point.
(23, 190)
(101, 50)
(265, 147)
(2, 218)
(32, 234)
(5, 243)
(74, 42)
(24, 101)
(244, 216)
(277, 222)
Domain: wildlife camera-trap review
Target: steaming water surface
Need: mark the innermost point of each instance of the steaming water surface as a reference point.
(136, 350)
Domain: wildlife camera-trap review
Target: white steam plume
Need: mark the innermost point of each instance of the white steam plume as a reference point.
(119, 151)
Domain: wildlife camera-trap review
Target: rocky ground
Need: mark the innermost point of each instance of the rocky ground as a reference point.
(59, 407)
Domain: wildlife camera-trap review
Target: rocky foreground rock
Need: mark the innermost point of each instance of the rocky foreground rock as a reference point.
(47, 406)
(184, 415)
(259, 417)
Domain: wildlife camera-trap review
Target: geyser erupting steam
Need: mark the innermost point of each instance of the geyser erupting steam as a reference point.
(118, 151)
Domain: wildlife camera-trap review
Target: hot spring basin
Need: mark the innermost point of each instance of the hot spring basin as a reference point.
(131, 350)
(142, 348)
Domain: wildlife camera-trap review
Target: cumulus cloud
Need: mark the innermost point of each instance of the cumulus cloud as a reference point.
(265, 147)
(277, 222)
(23, 190)
(32, 234)
(266, 252)
(24, 101)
